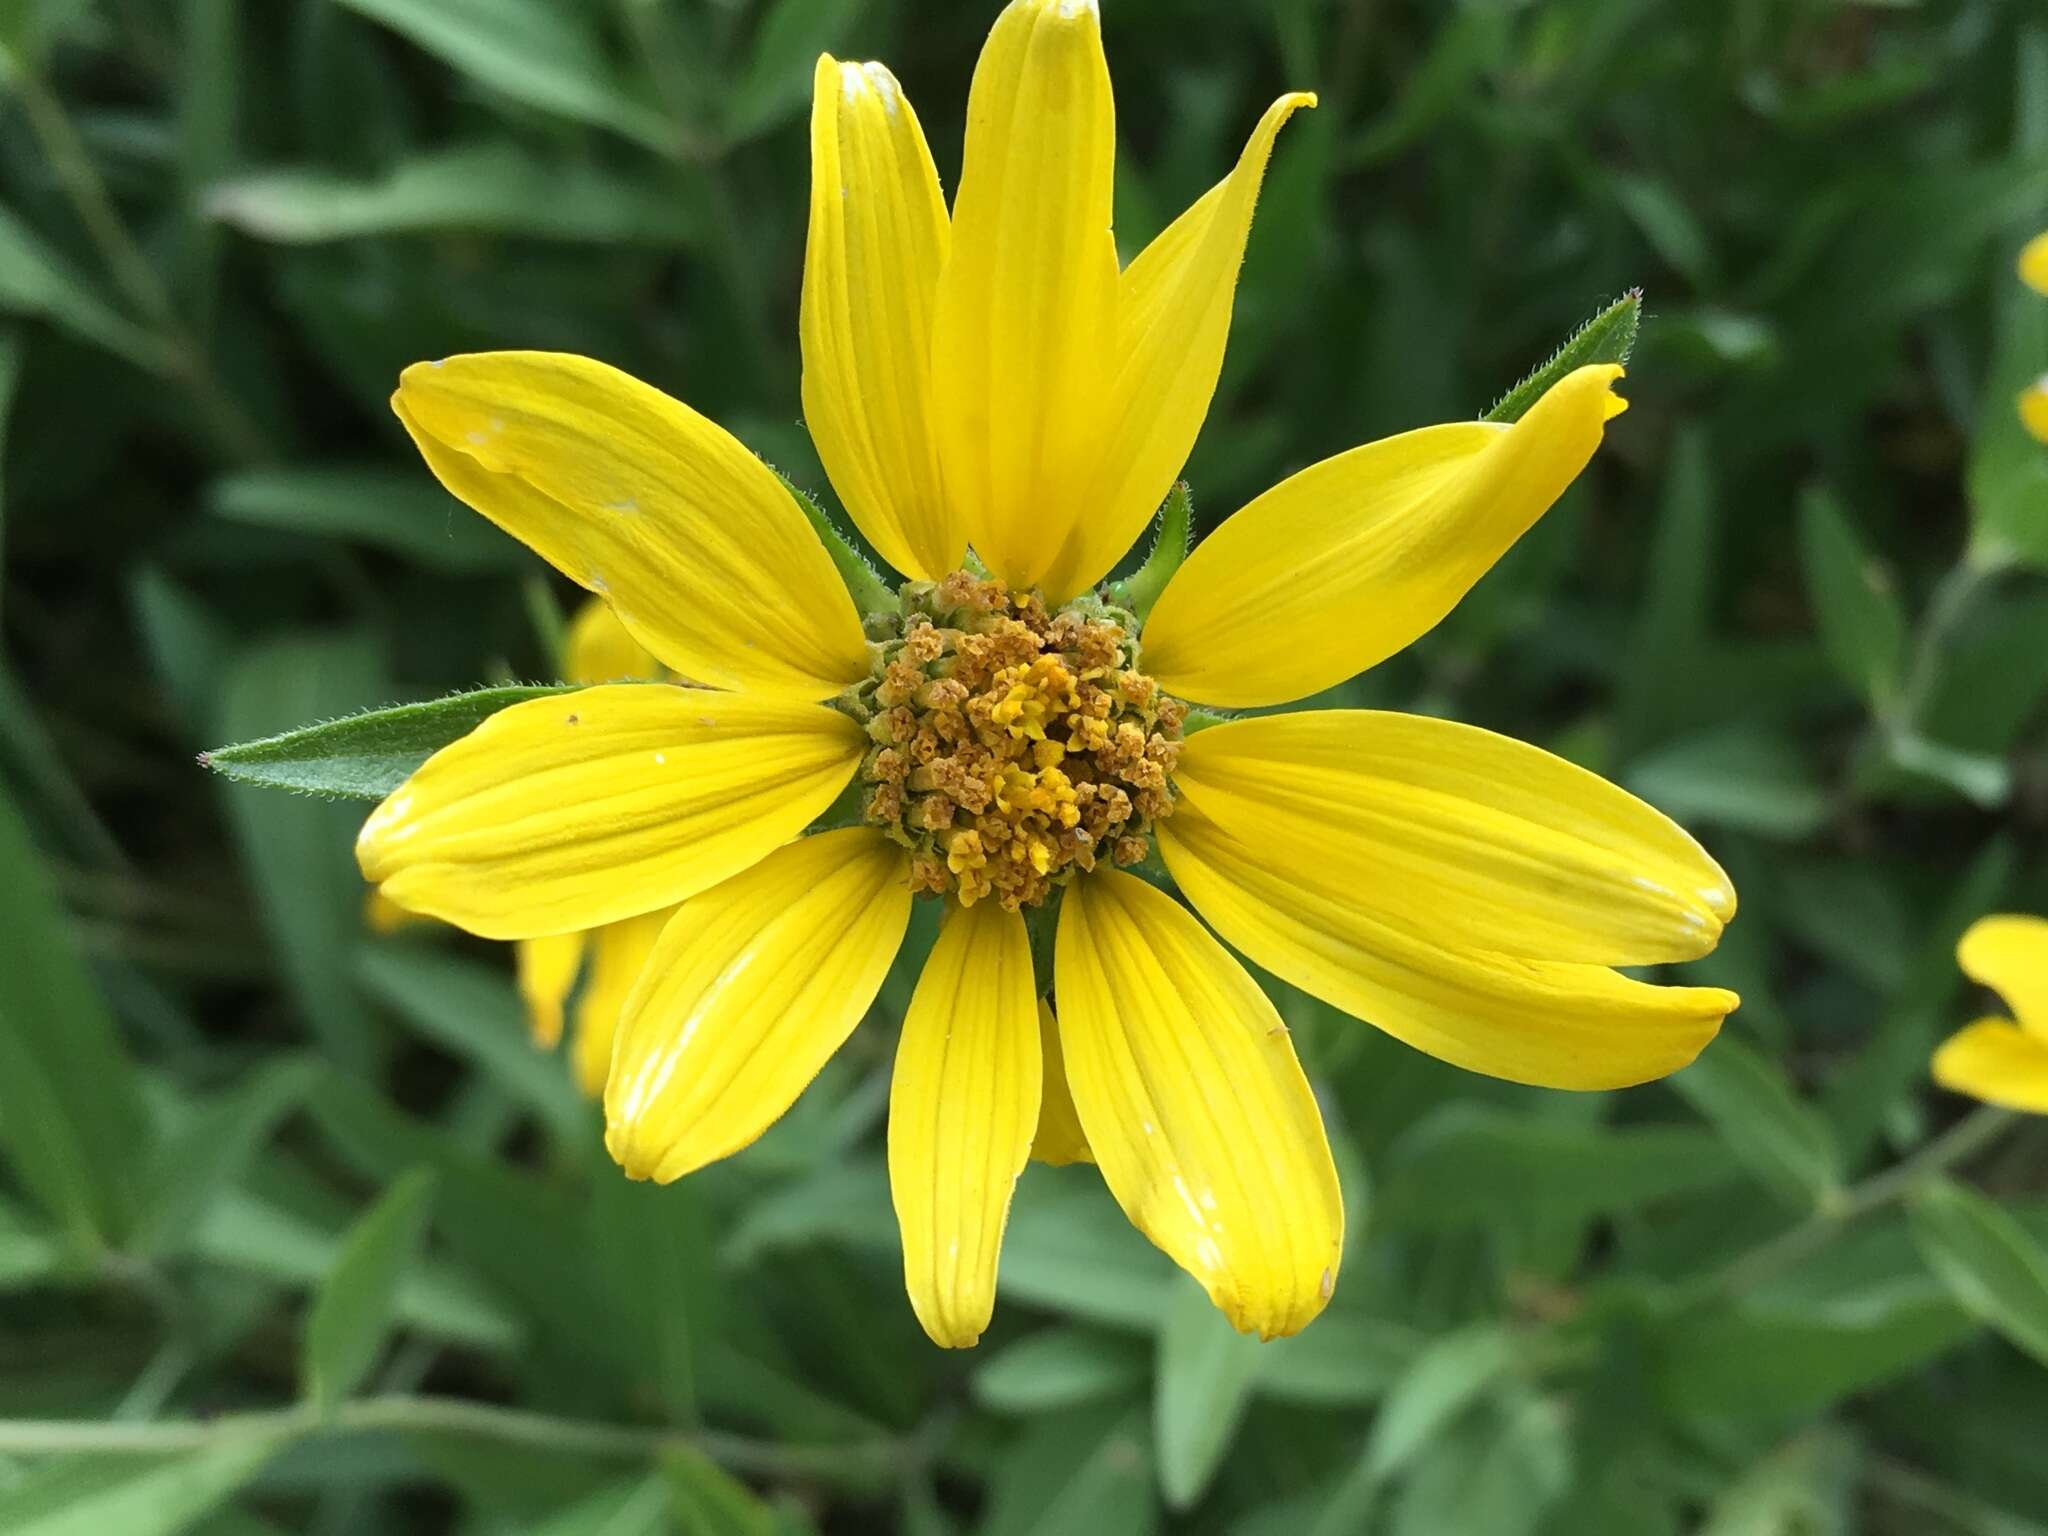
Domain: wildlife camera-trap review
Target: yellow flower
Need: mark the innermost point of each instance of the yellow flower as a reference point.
(597, 650)
(1997, 1060)
(991, 379)
(2033, 401)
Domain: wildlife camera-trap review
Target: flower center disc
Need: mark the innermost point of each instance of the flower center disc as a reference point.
(1012, 746)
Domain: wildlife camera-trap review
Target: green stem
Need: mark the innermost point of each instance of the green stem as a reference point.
(1960, 1142)
(1952, 600)
(516, 1427)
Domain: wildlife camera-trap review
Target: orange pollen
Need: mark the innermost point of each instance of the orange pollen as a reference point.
(1013, 747)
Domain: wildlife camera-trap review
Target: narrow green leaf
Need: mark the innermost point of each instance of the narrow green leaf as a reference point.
(1069, 1249)
(1060, 1368)
(537, 52)
(707, 1500)
(355, 1309)
(71, 1119)
(473, 1011)
(1170, 544)
(402, 511)
(150, 1496)
(491, 188)
(636, 1506)
(1738, 776)
(1862, 627)
(1344, 1361)
(11, 352)
(1987, 1260)
(776, 83)
(1807, 1487)
(297, 851)
(2008, 471)
(366, 756)
(1199, 1393)
(1670, 630)
(1086, 1471)
(652, 1251)
(1609, 337)
(35, 280)
(210, 1155)
(1762, 1120)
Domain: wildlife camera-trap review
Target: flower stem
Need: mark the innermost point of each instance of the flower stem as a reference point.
(854, 1462)
(1960, 1142)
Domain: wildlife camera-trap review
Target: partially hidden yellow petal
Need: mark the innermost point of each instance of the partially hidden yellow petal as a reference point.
(2033, 263)
(600, 650)
(750, 989)
(963, 1103)
(1060, 1139)
(1462, 836)
(2033, 409)
(618, 954)
(383, 915)
(2009, 954)
(1198, 1113)
(1024, 336)
(1996, 1061)
(577, 810)
(1347, 562)
(1173, 319)
(546, 969)
(1556, 1026)
(878, 240)
(700, 550)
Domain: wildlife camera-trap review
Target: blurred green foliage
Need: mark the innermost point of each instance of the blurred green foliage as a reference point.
(251, 1159)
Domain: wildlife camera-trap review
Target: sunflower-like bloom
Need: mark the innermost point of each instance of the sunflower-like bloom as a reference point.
(2033, 266)
(1999, 1060)
(1007, 740)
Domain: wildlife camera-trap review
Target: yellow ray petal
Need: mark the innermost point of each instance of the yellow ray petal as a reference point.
(1461, 836)
(2009, 954)
(962, 1106)
(1060, 1139)
(700, 550)
(1338, 567)
(383, 915)
(575, 811)
(1996, 1061)
(1026, 321)
(751, 988)
(877, 243)
(2033, 263)
(1199, 1116)
(2033, 409)
(618, 954)
(547, 969)
(1556, 1026)
(599, 650)
(1173, 319)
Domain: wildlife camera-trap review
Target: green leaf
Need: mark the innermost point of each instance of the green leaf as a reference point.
(1670, 629)
(1086, 1471)
(148, 1496)
(1344, 1361)
(707, 1500)
(538, 52)
(402, 511)
(1609, 337)
(210, 1155)
(1808, 1487)
(1199, 1393)
(1987, 1260)
(652, 1251)
(2008, 470)
(636, 1506)
(298, 852)
(473, 1011)
(71, 1119)
(35, 280)
(1170, 544)
(1762, 1121)
(1499, 1472)
(1069, 1249)
(1737, 776)
(776, 83)
(11, 352)
(355, 1309)
(366, 756)
(1469, 1165)
(492, 188)
(1059, 1368)
(1862, 627)
(864, 584)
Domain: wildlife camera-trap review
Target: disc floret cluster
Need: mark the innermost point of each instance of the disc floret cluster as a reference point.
(1012, 746)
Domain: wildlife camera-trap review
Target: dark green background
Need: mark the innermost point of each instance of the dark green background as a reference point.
(1798, 602)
